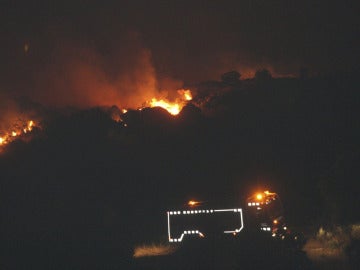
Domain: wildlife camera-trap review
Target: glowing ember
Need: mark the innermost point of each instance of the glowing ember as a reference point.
(174, 107)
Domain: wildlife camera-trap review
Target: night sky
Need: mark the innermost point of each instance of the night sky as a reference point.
(78, 191)
(121, 46)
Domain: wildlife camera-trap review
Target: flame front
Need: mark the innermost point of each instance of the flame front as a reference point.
(176, 106)
(10, 135)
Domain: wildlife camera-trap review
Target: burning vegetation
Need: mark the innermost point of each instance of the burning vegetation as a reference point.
(19, 127)
(176, 106)
(16, 131)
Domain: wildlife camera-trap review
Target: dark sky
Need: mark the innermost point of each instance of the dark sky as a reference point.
(132, 45)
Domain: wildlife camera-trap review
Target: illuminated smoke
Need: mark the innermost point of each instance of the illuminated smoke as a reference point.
(76, 75)
(82, 76)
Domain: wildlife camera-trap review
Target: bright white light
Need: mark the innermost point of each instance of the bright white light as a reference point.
(168, 224)
(224, 210)
(236, 230)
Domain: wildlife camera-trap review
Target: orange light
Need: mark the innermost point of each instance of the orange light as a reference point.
(275, 221)
(259, 196)
(173, 107)
(193, 203)
(186, 94)
(11, 135)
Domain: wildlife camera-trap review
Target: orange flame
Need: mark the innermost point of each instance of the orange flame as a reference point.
(174, 107)
(9, 136)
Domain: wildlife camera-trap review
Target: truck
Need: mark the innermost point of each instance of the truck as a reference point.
(263, 213)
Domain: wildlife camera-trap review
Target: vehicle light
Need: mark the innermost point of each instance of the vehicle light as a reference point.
(193, 203)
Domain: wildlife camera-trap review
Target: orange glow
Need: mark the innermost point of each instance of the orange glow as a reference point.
(9, 136)
(186, 93)
(275, 221)
(26, 47)
(173, 107)
(259, 196)
(153, 250)
(193, 203)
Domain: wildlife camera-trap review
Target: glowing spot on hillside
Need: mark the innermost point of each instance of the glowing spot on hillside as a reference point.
(153, 250)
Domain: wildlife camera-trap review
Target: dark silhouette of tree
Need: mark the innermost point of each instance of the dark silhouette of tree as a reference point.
(263, 75)
(231, 78)
(304, 74)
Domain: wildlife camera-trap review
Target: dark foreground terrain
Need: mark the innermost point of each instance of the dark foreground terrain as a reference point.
(245, 252)
(86, 190)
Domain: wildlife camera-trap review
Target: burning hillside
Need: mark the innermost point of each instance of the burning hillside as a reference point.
(19, 129)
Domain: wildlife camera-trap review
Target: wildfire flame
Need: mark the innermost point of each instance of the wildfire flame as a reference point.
(174, 107)
(11, 135)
